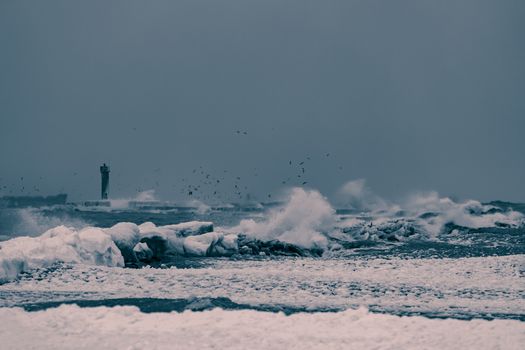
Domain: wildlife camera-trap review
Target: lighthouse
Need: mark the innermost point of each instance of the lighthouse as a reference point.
(104, 174)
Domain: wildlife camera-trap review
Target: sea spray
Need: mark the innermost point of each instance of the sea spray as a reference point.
(301, 221)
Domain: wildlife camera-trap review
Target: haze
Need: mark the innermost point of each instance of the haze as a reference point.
(410, 95)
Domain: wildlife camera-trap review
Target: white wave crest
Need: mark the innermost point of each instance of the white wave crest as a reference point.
(421, 215)
(470, 213)
(301, 221)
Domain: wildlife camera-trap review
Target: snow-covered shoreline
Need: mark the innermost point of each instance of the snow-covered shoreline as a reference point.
(70, 326)
(466, 286)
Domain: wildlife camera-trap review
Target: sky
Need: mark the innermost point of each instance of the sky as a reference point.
(410, 95)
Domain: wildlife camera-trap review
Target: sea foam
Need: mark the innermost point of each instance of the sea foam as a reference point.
(126, 327)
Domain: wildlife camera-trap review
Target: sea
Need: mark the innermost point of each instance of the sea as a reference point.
(430, 256)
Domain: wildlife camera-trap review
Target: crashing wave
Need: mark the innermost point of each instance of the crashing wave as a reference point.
(421, 216)
(304, 221)
(307, 225)
(380, 229)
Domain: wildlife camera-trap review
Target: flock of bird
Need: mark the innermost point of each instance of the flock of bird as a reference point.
(204, 185)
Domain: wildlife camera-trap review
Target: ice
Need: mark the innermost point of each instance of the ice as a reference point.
(159, 240)
(229, 242)
(190, 228)
(125, 327)
(61, 244)
(142, 251)
(211, 244)
(124, 234)
(123, 242)
(199, 245)
(149, 229)
(171, 239)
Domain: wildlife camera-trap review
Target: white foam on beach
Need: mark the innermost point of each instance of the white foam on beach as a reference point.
(475, 286)
(69, 326)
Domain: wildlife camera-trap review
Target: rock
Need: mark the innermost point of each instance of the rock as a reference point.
(245, 250)
(201, 245)
(143, 252)
(158, 246)
(192, 228)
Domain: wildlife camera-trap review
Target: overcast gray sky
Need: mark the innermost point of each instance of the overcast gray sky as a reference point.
(410, 95)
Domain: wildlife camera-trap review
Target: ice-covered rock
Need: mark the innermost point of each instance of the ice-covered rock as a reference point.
(211, 244)
(130, 243)
(229, 242)
(142, 252)
(61, 244)
(200, 245)
(161, 240)
(184, 229)
(169, 239)
(125, 235)
(250, 246)
(191, 228)
(123, 242)
(158, 246)
(226, 246)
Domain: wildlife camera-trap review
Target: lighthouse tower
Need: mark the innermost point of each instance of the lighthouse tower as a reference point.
(104, 173)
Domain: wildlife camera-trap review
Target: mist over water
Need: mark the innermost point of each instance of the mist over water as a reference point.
(411, 96)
